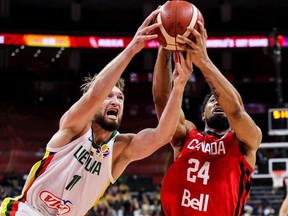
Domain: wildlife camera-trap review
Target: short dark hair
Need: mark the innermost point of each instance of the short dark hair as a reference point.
(205, 101)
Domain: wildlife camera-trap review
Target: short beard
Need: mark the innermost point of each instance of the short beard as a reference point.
(108, 126)
(218, 122)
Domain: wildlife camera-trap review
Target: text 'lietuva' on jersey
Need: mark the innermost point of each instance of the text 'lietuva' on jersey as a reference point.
(68, 180)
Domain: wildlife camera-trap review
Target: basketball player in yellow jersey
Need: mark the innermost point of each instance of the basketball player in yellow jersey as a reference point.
(87, 153)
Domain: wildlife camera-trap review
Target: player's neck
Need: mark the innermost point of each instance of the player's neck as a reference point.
(216, 131)
(100, 135)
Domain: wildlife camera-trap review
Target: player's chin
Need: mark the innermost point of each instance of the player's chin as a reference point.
(112, 120)
(111, 125)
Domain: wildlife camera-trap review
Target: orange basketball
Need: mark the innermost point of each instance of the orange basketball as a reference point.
(175, 17)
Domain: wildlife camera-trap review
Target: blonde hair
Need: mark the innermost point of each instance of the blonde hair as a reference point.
(88, 81)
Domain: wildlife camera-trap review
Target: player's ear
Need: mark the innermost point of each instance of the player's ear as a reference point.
(203, 117)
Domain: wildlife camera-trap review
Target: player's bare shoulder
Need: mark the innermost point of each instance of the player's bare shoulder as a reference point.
(189, 125)
(124, 137)
(122, 140)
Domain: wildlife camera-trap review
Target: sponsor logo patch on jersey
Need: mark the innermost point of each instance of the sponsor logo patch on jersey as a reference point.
(53, 202)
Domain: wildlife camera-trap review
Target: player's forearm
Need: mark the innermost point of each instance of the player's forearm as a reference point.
(83, 110)
(162, 80)
(171, 114)
(109, 75)
(224, 91)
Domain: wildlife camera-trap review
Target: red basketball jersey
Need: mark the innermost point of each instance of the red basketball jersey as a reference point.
(209, 177)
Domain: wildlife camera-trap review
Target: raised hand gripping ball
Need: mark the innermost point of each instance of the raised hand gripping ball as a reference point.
(175, 16)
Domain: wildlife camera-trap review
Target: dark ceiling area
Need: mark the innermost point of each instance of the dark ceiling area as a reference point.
(124, 16)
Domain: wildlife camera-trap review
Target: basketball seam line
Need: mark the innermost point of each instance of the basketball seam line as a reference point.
(169, 38)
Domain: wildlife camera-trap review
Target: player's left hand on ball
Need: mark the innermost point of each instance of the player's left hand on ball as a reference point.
(183, 68)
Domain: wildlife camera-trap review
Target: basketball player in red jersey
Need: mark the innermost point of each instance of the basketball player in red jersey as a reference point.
(211, 171)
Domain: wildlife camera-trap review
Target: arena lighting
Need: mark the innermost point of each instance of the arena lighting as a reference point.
(2, 39)
(237, 42)
(67, 41)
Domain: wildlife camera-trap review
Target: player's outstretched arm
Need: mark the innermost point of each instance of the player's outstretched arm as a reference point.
(162, 80)
(162, 83)
(149, 140)
(227, 96)
(76, 120)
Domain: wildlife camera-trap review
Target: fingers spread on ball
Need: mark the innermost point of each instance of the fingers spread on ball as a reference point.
(151, 17)
(175, 17)
(180, 39)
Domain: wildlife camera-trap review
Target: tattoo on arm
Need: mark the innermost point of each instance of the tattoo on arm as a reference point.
(168, 57)
(169, 66)
(213, 89)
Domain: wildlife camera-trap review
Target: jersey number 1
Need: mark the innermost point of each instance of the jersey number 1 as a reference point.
(74, 180)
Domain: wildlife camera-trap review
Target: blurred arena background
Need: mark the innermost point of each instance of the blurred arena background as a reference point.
(39, 80)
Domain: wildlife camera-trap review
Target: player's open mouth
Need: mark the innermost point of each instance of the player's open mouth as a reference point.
(112, 113)
(218, 110)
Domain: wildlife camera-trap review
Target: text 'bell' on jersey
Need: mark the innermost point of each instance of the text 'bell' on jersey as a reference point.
(209, 177)
(68, 180)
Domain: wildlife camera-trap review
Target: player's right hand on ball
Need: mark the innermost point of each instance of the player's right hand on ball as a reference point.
(197, 49)
(145, 32)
